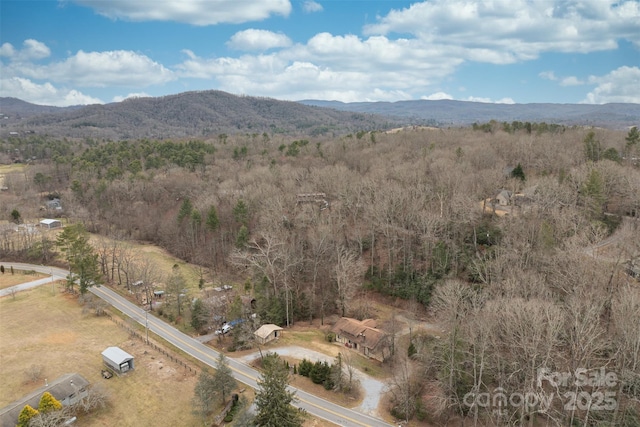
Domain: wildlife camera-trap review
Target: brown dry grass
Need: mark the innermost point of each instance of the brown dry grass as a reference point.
(73, 343)
(5, 169)
(38, 328)
(7, 279)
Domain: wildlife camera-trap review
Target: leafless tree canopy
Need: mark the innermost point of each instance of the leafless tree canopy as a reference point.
(528, 272)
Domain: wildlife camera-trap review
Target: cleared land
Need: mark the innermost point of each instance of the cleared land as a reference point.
(73, 342)
(38, 328)
(19, 276)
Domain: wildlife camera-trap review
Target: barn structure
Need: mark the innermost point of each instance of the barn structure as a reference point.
(118, 360)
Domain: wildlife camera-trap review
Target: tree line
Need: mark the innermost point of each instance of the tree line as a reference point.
(407, 217)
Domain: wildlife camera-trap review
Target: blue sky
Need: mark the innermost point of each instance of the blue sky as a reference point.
(98, 51)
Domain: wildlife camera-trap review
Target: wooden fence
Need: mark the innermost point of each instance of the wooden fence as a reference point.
(135, 334)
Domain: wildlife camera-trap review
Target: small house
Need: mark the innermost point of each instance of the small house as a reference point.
(362, 336)
(67, 389)
(118, 360)
(267, 333)
(503, 198)
(50, 223)
(54, 204)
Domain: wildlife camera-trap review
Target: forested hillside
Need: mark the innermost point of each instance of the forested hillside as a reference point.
(494, 229)
(188, 114)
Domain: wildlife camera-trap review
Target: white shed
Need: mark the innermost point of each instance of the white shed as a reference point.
(50, 223)
(117, 359)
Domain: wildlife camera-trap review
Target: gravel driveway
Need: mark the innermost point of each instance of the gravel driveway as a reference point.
(373, 389)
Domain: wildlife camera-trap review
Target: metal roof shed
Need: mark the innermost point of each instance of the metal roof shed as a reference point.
(117, 359)
(51, 223)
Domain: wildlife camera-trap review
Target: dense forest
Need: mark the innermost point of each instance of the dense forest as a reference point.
(495, 229)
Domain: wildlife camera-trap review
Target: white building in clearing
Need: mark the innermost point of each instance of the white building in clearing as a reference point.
(117, 360)
(50, 223)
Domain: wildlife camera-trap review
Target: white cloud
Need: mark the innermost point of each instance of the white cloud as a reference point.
(7, 50)
(101, 69)
(195, 12)
(548, 75)
(620, 85)
(31, 49)
(130, 96)
(437, 96)
(506, 31)
(34, 49)
(326, 65)
(571, 81)
(311, 6)
(489, 100)
(44, 94)
(257, 40)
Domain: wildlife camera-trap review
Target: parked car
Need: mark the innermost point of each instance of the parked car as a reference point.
(225, 328)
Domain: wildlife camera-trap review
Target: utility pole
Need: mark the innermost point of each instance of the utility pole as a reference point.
(53, 291)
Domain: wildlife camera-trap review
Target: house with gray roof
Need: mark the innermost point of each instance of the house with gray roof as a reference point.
(67, 389)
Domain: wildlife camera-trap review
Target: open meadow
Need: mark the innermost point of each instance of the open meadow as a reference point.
(52, 332)
(72, 340)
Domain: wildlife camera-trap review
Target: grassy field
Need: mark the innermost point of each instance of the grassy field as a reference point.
(5, 169)
(19, 276)
(72, 341)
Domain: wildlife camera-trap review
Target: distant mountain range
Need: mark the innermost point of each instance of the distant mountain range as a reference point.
(208, 113)
(462, 113)
(185, 115)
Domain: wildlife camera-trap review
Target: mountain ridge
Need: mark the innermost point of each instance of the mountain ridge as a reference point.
(184, 115)
(206, 113)
(449, 112)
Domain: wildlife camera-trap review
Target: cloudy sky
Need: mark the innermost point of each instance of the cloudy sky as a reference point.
(71, 52)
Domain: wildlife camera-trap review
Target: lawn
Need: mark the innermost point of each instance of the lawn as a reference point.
(19, 276)
(71, 341)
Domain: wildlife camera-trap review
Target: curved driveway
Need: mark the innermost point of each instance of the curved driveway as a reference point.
(54, 272)
(243, 373)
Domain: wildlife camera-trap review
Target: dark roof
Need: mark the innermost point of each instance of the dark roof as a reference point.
(61, 388)
(358, 331)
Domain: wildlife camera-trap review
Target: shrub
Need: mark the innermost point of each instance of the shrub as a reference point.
(305, 368)
(320, 372)
(48, 403)
(411, 350)
(25, 416)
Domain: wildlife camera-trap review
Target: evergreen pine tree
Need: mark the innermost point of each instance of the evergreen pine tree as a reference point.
(273, 400)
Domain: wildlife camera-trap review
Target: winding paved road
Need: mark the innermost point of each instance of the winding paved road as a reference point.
(313, 405)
